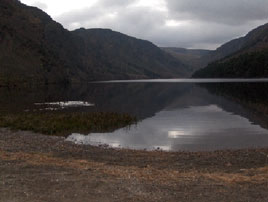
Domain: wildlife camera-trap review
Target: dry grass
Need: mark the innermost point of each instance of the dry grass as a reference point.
(258, 175)
(159, 176)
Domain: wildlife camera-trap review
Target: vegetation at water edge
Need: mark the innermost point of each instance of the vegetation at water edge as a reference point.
(64, 123)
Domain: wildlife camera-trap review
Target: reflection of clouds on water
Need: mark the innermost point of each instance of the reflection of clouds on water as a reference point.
(194, 128)
(176, 134)
(209, 108)
(63, 104)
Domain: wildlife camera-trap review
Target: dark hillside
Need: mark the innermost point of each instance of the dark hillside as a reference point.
(247, 57)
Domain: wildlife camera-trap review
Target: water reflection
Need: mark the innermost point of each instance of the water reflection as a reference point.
(194, 128)
(172, 116)
(62, 105)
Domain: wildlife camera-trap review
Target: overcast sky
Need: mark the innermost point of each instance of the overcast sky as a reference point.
(177, 23)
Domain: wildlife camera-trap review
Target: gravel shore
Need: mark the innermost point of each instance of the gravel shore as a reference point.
(39, 168)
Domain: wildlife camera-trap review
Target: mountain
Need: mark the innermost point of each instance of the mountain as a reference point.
(193, 58)
(243, 57)
(124, 57)
(36, 49)
(33, 47)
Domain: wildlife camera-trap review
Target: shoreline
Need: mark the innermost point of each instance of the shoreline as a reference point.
(36, 167)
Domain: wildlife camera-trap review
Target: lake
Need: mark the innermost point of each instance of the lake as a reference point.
(173, 115)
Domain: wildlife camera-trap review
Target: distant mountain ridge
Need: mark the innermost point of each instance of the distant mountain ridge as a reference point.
(255, 41)
(36, 49)
(194, 58)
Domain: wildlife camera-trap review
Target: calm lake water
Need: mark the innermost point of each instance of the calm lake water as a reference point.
(177, 114)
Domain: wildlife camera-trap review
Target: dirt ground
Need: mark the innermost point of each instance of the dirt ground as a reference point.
(39, 168)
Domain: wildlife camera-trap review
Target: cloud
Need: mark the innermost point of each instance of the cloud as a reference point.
(137, 21)
(197, 34)
(183, 23)
(40, 5)
(232, 12)
(116, 3)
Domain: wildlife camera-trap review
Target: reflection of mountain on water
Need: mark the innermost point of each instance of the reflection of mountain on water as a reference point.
(185, 117)
(141, 99)
(146, 99)
(248, 100)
